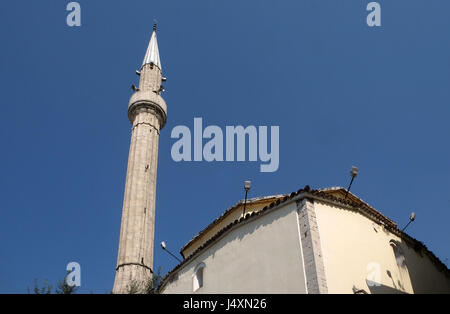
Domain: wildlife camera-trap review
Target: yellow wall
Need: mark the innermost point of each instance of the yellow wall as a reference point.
(353, 246)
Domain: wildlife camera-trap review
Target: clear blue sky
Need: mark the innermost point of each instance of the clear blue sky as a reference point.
(342, 93)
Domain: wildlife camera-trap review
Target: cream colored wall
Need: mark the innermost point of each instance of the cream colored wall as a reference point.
(261, 256)
(351, 242)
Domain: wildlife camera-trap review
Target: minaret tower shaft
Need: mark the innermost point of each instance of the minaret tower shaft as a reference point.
(147, 113)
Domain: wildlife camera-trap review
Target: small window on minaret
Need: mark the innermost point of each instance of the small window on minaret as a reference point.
(197, 278)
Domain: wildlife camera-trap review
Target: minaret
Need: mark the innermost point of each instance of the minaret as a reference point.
(147, 113)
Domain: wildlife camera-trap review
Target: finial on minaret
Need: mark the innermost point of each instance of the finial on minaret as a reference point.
(152, 54)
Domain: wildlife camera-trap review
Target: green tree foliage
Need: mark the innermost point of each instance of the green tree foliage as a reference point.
(150, 286)
(61, 287)
(45, 289)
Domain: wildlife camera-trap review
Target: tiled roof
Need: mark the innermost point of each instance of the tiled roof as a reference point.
(356, 201)
(352, 202)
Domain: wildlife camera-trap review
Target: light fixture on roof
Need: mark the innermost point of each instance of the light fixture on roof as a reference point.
(353, 174)
(247, 185)
(163, 246)
(412, 217)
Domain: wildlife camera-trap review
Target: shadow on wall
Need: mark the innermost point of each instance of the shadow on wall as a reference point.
(415, 272)
(376, 288)
(425, 274)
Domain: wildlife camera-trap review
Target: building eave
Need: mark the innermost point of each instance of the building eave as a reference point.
(224, 215)
(318, 195)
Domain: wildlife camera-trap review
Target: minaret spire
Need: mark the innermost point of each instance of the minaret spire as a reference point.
(147, 112)
(152, 54)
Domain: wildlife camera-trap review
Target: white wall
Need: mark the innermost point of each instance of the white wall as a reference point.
(261, 256)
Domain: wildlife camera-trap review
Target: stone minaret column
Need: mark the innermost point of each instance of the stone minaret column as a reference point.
(147, 113)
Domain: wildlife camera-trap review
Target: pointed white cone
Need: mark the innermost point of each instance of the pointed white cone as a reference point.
(152, 54)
